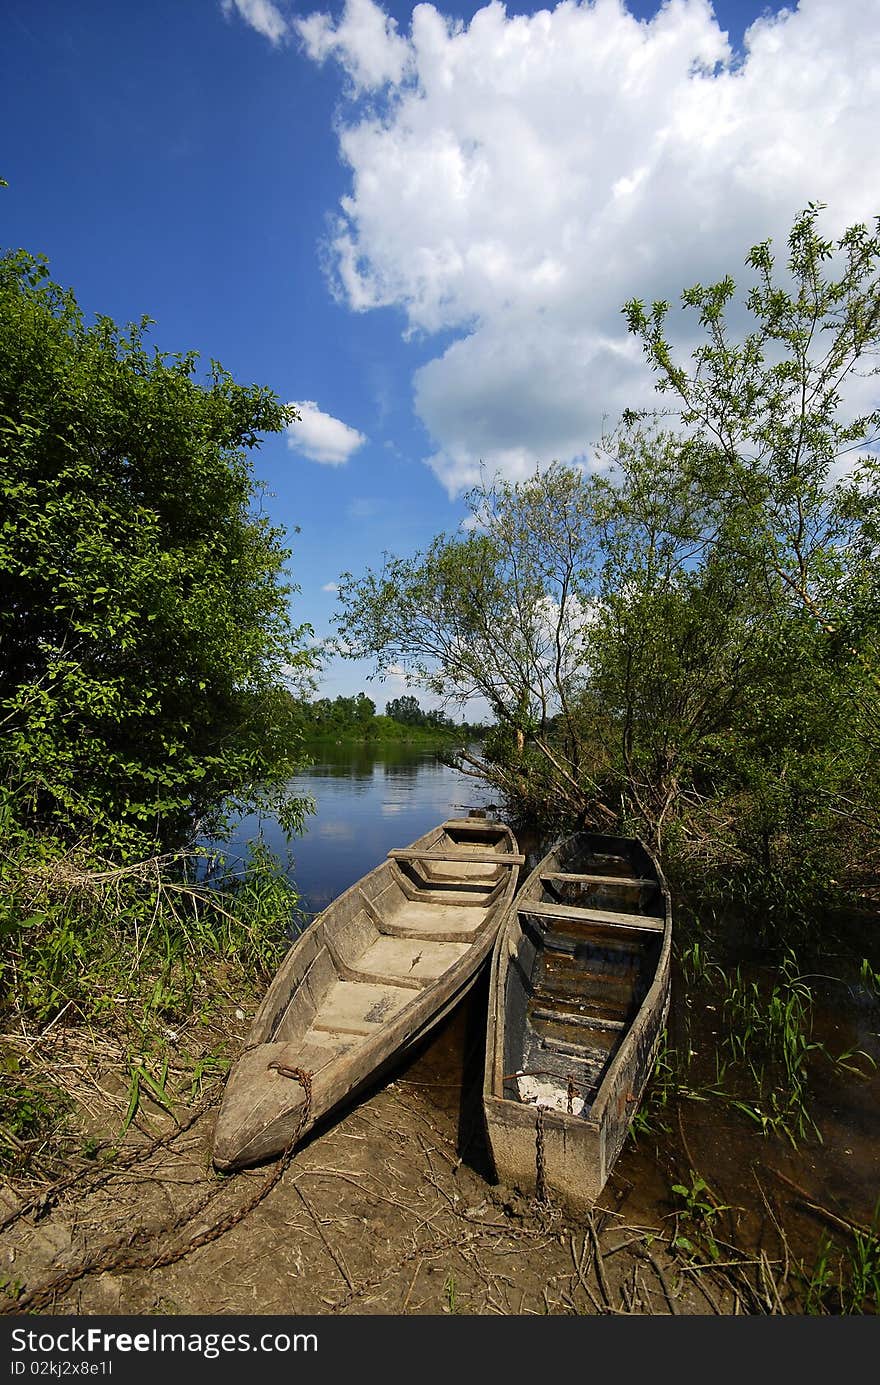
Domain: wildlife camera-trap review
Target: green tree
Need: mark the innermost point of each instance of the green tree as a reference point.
(775, 414)
(685, 640)
(146, 642)
(673, 637)
(405, 709)
(501, 613)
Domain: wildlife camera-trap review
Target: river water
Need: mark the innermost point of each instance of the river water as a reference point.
(368, 801)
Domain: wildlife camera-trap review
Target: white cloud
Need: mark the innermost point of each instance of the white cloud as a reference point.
(261, 15)
(395, 681)
(365, 41)
(517, 178)
(330, 587)
(321, 437)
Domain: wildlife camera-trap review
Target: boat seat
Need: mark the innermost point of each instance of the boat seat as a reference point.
(477, 893)
(643, 923)
(573, 1017)
(411, 960)
(629, 881)
(465, 857)
(441, 923)
(401, 961)
(359, 1007)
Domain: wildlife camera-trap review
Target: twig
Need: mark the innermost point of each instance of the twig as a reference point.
(853, 1227)
(337, 1259)
(597, 1257)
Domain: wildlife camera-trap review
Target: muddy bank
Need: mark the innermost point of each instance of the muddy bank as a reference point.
(390, 1209)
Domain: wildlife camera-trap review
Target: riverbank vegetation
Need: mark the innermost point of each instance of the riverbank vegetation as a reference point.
(346, 720)
(682, 641)
(148, 658)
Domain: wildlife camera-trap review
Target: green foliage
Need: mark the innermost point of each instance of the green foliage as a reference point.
(870, 977)
(649, 1117)
(354, 719)
(75, 930)
(683, 643)
(29, 1110)
(770, 1037)
(700, 1210)
(144, 627)
(407, 711)
(497, 612)
(847, 1281)
(763, 1054)
(152, 954)
(769, 420)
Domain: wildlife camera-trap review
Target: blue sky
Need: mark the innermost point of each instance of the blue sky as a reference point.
(420, 223)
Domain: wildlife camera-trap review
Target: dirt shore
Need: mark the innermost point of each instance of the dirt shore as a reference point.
(391, 1208)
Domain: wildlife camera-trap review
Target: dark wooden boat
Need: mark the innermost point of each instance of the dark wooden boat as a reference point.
(579, 995)
(383, 964)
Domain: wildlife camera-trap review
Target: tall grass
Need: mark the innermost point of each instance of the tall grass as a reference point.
(141, 954)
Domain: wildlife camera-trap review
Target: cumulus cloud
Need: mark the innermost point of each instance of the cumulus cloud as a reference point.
(321, 437)
(330, 587)
(261, 15)
(514, 179)
(365, 41)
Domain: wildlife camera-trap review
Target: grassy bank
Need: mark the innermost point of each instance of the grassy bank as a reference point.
(137, 969)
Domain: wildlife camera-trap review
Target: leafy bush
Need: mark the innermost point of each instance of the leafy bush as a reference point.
(144, 627)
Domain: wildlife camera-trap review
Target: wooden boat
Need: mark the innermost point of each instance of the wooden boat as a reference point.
(368, 978)
(579, 995)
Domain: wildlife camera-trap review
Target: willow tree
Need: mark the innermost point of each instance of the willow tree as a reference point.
(778, 415)
(499, 612)
(783, 427)
(687, 635)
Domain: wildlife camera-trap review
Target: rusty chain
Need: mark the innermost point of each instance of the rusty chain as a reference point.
(41, 1201)
(540, 1167)
(120, 1259)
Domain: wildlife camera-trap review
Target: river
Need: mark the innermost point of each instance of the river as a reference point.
(367, 800)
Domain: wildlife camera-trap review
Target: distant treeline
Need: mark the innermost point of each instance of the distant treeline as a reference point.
(355, 718)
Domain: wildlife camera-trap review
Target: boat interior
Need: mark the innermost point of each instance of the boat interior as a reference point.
(588, 948)
(394, 933)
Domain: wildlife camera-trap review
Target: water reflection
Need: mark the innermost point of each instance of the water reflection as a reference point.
(368, 800)
(398, 771)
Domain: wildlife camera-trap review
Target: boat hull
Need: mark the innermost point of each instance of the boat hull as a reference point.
(579, 996)
(369, 978)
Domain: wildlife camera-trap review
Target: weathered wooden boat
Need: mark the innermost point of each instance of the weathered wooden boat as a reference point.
(382, 965)
(579, 995)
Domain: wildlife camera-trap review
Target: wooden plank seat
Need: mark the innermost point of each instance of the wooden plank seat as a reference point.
(411, 963)
(460, 925)
(573, 1017)
(642, 922)
(630, 881)
(467, 858)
